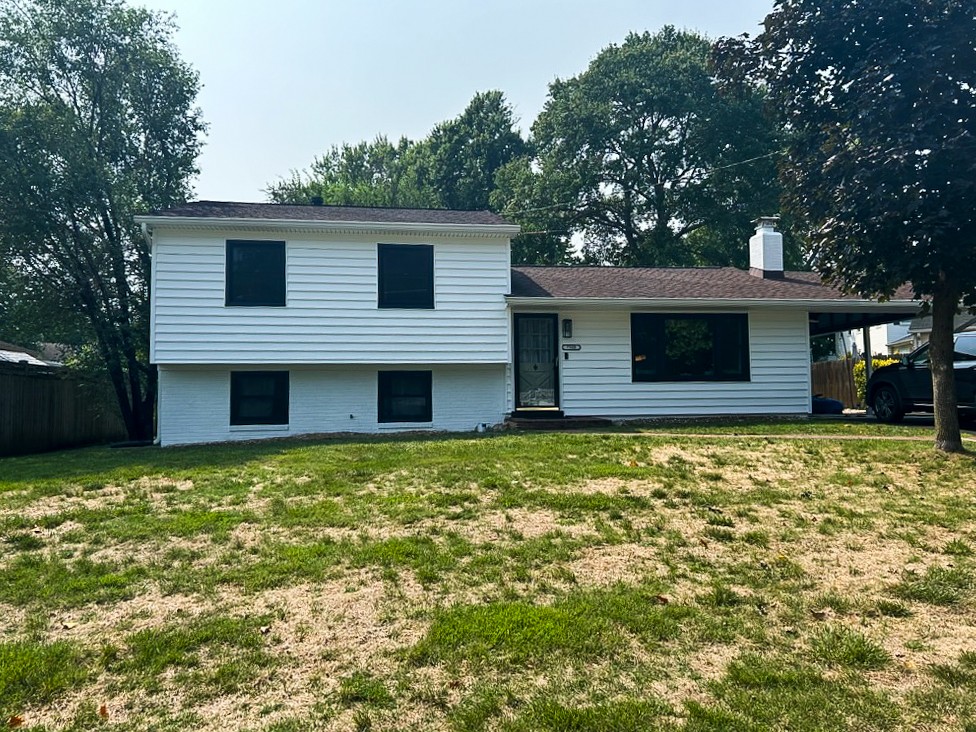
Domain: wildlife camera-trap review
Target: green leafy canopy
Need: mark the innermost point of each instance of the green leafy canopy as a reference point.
(97, 123)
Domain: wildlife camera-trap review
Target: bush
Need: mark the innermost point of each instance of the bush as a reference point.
(861, 381)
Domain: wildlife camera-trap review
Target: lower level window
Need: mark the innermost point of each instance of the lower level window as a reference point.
(405, 396)
(258, 397)
(689, 347)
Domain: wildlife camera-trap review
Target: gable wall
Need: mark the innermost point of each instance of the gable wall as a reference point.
(331, 314)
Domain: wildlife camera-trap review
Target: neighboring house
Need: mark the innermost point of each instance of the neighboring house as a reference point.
(920, 329)
(903, 337)
(889, 339)
(11, 354)
(270, 320)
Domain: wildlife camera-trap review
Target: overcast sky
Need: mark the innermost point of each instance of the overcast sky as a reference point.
(285, 80)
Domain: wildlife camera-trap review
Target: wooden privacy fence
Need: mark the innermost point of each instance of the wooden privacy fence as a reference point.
(42, 410)
(835, 380)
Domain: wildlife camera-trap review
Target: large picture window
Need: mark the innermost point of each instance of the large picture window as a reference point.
(406, 276)
(255, 273)
(258, 397)
(405, 396)
(689, 347)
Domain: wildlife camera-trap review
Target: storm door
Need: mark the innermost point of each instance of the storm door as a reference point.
(536, 362)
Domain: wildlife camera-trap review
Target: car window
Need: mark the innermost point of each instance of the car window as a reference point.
(921, 356)
(965, 348)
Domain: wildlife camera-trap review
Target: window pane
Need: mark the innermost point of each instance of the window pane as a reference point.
(405, 396)
(689, 347)
(259, 397)
(965, 349)
(255, 273)
(406, 276)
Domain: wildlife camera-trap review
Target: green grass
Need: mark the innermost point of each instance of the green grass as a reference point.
(937, 585)
(37, 673)
(511, 633)
(362, 688)
(841, 646)
(759, 693)
(500, 582)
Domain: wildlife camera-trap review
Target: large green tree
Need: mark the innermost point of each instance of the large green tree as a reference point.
(97, 123)
(453, 167)
(648, 161)
(377, 173)
(467, 151)
(879, 99)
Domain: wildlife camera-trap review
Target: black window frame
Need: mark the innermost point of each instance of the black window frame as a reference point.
(276, 296)
(725, 327)
(280, 398)
(385, 382)
(391, 266)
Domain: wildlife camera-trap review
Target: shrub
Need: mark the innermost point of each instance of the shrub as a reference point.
(860, 379)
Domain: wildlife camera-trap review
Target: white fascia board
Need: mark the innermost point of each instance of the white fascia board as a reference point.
(714, 303)
(342, 227)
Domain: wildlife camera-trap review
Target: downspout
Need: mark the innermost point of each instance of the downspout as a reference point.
(147, 237)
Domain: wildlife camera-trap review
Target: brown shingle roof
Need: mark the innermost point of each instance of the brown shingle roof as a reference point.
(289, 212)
(672, 283)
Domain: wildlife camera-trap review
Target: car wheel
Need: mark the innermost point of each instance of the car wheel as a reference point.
(887, 404)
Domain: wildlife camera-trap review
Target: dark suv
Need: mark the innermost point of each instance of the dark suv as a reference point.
(907, 386)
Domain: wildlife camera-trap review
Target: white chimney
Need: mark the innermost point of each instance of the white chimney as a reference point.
(766, 249)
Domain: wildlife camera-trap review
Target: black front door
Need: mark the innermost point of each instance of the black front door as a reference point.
(536, 361)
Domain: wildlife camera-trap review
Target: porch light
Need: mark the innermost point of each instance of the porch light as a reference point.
(567, 328)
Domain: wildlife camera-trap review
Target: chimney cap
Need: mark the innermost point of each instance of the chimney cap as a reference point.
(766, 222)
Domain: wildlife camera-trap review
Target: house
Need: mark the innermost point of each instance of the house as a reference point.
(271, 320)
(18, 356)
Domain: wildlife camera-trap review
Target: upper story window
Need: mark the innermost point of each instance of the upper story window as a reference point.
(689, 347)
(255, 273)
(406, 276)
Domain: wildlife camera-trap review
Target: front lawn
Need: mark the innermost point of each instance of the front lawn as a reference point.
(642, 581)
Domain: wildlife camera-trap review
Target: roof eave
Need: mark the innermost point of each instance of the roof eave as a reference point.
(209, 223)
(824, 305)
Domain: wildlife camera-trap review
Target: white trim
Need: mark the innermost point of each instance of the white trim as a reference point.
(337, 227)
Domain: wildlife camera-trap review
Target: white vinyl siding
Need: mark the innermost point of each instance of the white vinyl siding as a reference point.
(331, 313)
(195, 402)
(597, 379)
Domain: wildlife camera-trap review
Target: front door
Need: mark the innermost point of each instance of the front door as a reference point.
(536, 361)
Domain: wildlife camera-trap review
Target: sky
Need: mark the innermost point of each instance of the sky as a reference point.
(283, 81)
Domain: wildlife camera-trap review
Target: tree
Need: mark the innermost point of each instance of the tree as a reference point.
(467, 151)
(521, 195)
(376, 173)
(453, 167)
(879, 97)
(34, 311)
(97, 123)
(649, 161)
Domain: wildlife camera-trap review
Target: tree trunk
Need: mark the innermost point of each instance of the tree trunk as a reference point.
(947, 435)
